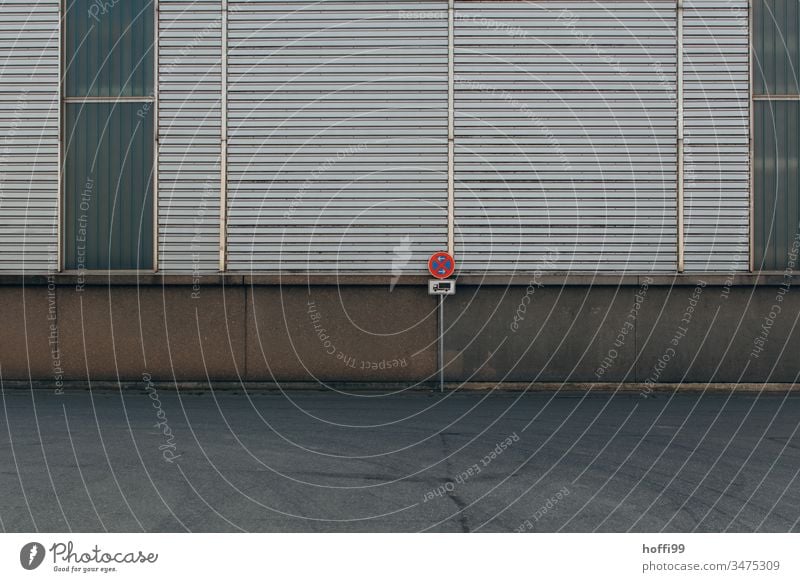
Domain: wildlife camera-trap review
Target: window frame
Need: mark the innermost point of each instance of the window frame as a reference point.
(63, 100)
(756, 98)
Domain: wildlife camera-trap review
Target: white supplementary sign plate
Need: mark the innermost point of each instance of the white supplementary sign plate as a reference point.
(438, 287)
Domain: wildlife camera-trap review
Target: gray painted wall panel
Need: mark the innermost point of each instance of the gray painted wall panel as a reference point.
(190, 51)
(717, 140)
(29, 94)
(565, 136)
(337, 135)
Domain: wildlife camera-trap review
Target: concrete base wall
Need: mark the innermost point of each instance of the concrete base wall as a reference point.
(637, 334)
(630, 329)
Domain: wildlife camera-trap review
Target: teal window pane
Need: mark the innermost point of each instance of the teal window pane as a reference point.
(777, 182)
(109, 48)
(108, 186)
(776, 46)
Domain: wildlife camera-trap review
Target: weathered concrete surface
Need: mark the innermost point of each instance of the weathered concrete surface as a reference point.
(341, 334)
(166, 332)
(532, 333)
(670, 332)
(640, 334)
(26, 317)
(720, 335)
(328, 462)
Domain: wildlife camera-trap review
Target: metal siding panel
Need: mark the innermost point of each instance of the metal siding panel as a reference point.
(717, 125)
(337, 135)
(190, 87)
(565, 136)
(29, 94)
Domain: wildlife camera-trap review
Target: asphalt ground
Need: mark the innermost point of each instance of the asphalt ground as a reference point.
(319, 461)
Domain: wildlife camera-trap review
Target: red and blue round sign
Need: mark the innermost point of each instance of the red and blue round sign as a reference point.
(441, 265)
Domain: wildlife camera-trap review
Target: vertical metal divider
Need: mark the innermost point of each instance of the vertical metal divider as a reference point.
(450, 129)
(156, 129)
(223, 162)
(680, 139)
(60, 190)
(751, 236)
(451, 198)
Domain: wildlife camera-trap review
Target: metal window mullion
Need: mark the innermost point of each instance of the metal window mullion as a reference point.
(120, 99)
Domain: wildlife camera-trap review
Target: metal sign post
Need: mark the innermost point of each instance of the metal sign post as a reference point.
(441, 265)
(442, 289)
(441, 343)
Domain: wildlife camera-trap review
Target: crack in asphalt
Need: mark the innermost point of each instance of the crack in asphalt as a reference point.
(463, 522)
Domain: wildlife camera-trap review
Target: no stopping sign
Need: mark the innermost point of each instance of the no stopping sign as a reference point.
(441, 265)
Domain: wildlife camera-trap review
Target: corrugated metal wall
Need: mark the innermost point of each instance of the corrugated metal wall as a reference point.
(29, 94)
(190, 52)
(337, 134)
(566, 135)
(717, 130)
